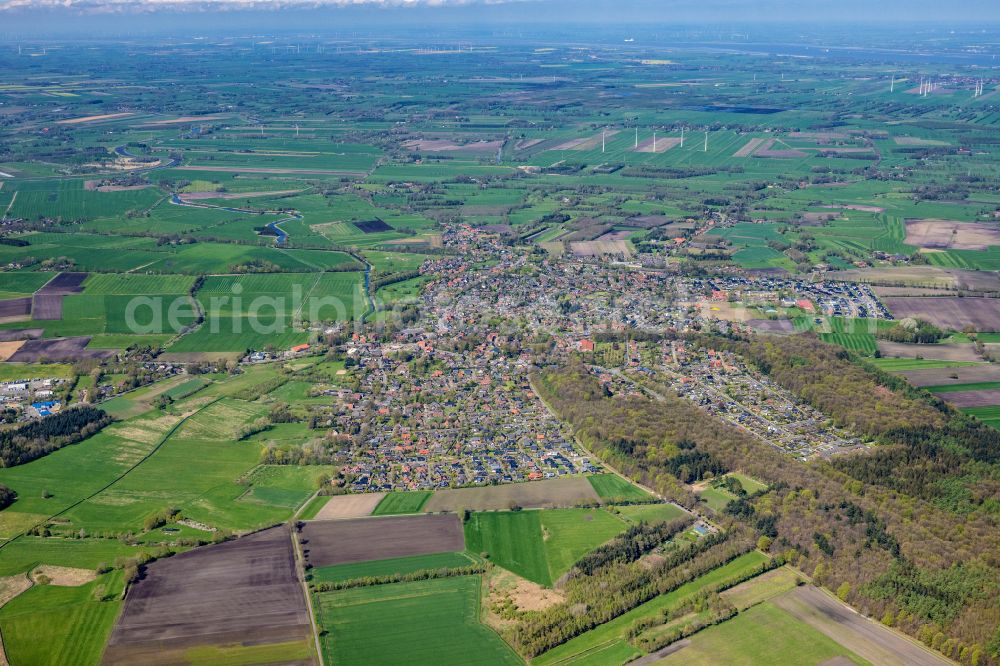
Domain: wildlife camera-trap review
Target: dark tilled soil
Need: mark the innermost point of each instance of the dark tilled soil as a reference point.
(983, 314)
(47, 307)
(60, 349)
(15, 307)
(359, 540)
(243, 591)
(64, 283)
(12, 334)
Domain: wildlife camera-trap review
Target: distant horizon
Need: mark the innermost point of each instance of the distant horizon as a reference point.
(191, 17)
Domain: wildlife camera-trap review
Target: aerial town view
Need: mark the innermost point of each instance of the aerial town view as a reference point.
(473, 332)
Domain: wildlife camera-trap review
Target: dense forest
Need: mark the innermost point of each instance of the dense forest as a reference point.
(38, 438)
(892, 554)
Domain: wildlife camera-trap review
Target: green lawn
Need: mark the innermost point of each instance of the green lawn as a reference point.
(611, 488)
(402, 502)
(764, 634)
(395, 565)
(425, 622)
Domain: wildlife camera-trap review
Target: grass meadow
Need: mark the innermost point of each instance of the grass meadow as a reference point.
(425, 622)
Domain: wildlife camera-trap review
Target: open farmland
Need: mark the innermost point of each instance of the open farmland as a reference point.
(348, 506)
(734, 642)
(244, 592)
(953, 313)
(331, 542)
(539, 545)
(390, 566)
(612, 488)
(550, 493)
(425, 622)
(499, 342)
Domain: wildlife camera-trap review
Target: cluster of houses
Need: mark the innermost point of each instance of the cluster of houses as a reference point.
(438, 418)
(721, 383)
(825, 297)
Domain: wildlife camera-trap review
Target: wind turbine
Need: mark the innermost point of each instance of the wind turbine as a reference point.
(682, 136)
(654, 141)
(603, 137)
(296, 130)
(706, 142)
(636, 137)
(892, 86)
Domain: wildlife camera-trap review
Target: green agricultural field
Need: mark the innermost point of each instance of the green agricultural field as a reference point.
(27, 552)
(401, 502)
(716, 498)
(540, 545)
(569, 534)
(155, 451)
(750, 484)
(310, 510)
(613, 488)
(396, 565)
(512, 540)
(115, 284)
(245, 655)
(952, 388)
(904, 364)
(764, 634)
(649, 513)
(988, 415)
(426, 622)
(14, 371)
(48, 624)
(20, 284)
(283, 486)
(608, 640)
(270, 310)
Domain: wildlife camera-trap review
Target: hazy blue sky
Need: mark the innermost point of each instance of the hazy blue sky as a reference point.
(37, 15)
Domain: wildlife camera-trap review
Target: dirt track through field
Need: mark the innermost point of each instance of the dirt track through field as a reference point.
(864, 637)
(344, 541)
